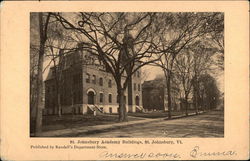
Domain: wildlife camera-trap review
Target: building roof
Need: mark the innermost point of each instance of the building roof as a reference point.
(153, 84)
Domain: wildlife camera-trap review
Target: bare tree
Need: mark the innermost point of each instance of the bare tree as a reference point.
(209, 94)
(202, 63)
(180, 30)
(59, 44)
(43, 27)
(189, 65)
(216, 37)
(123, 42)
(34, 50)
(184, 66)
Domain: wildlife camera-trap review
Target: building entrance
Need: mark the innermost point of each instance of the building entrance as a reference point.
(137, 100)
(91, 96)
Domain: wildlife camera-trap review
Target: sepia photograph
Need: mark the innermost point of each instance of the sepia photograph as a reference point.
(127, 74)
(124, 80)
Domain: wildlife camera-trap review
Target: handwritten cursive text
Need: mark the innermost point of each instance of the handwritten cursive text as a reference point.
(122, 155)
(196, 153)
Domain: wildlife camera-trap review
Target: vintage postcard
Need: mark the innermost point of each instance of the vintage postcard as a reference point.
(124, 80)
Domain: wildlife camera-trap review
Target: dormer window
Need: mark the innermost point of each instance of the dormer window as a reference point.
(110, 83)
(101, 81)
(88, 78)
(94, 79)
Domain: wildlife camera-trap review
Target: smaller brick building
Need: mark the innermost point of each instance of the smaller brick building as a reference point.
(154, 96)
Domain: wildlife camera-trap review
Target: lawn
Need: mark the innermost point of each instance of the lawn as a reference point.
(53, 122)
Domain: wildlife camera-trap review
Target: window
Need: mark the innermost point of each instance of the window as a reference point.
(101, 81)
(87, 78)
(94, 79)
(101, 97)
(139, 87)
(110, 98)
(134, 86)
(110, 109)
(110, 83)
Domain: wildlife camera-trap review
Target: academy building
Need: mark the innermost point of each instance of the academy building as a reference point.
(86, 86)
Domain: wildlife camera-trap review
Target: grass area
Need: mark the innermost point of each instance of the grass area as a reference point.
(54, 122)
(158, 114)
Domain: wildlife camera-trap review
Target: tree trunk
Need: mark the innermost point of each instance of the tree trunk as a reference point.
(186, 103)
(72, 100)
(202, 102)
(58, 92)
(40, 92)
(169, 95)
(59, 104)
(33, 101)
(195, 96)
(122, 106)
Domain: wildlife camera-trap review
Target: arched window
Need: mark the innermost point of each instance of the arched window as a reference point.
(101, 97)
(110, 98)
(91, 97)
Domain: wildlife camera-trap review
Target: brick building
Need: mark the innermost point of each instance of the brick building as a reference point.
(86, 86)
(154, 95)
